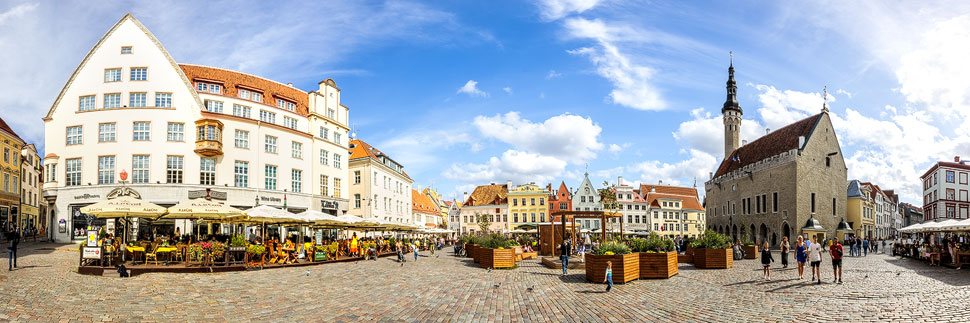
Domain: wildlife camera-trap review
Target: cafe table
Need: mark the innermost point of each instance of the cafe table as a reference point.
(134, 250)
(167, 250)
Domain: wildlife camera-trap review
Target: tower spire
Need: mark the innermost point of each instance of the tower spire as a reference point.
(825, 98)
(731, 103)
(731, 113)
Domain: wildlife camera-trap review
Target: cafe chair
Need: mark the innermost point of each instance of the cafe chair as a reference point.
(153, 255)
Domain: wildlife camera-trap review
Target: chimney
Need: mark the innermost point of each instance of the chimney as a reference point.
(801, 142)
(710, 174)
(289, 84)
(653, 189)
(418, 187)
(767, 130)
(466, 198)
(660, 182)
(508, 185)
(744, 142)
(956, 159)
(619, 180)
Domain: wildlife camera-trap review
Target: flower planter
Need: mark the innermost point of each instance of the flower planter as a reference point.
(237, 249)
(713, 258)
(625, 267)
(496, 258)
(750, 252)
(658, 265)
(685, 259)
(473, 251)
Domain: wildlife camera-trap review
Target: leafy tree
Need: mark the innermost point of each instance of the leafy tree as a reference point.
(483, 222)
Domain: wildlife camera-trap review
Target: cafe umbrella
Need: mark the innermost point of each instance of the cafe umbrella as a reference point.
(204, 209)
(125, 207)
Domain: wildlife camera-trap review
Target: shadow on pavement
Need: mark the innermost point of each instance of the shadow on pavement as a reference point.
(952, 277)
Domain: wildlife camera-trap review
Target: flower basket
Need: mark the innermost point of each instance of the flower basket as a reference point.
(713, 258)
(625, 267)
(658, 264)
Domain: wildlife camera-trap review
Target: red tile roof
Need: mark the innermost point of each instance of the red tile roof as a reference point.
(688, 195)
(494, 194)
(51, 155)
(667, 189)
(361, 149)
(5, 127)
(420, 203)
(689, 202)
(772, 144)
(231, 79)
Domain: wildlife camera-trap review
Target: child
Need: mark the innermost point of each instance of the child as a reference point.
(609, 276)
(766, 260)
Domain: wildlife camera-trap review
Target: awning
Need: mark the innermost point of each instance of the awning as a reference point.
(204, 209)
(124, 207)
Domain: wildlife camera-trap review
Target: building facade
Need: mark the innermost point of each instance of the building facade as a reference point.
(633, 208)
(861, 209)
(770, 188)
(10, 172)
(559, 200)
(527, 205)
(491, 201)
(454, 216)
(426, 213)
(945, 187)
(674, 211)
(379, 186)
(184, 131)
(911, 214)
(587, 198)
(32, 220)
(438, 201)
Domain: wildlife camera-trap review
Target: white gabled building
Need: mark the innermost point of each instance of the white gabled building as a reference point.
(586, 198)
(173, 132)
(379, 186)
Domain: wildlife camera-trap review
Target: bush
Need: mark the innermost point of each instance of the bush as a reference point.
(495, 241)
(653, 243)
(612, 247)
(712, 240)
(255, 250)
(238, 241)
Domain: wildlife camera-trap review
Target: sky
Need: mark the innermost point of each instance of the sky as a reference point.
(464, 93)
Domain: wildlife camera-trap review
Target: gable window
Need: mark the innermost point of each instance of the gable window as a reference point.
(74, 135)
(137, 100)
(332, 114)
(241, 171)
(173, 169)
(139, 74)
(213, 106)
(163, 100)
(270, 146)
(139, 168)
(289, 122)
(286, 105)
(112, 100)
(241, 111)
(106, 132)
(266, 116)
(86, 103)
(112, 75)
(297, 150)
(207, 171)
(250, 95)
(142, 131)
(242, 139)
(175, 131)
(208, 87)
(126, 49)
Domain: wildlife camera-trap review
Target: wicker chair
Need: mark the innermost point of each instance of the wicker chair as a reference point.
(153, 255)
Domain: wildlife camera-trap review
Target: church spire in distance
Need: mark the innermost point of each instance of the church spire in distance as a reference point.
(732, 90)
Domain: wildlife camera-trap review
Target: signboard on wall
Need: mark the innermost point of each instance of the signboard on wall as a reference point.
(62, 226)
(91, 253)
(92, 238)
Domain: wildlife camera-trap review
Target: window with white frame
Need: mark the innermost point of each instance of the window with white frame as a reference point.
(258, 97)
(112, 100)
(112, 75)
(126, 49)
(163, 100)
(287, 105)
(250, 95)
(336, 188)
(336, 139)
(241, 111)
(324, 133)
(296, 180)
(106, 170)
(242, 139)
(137, 100)
(173, 169)
(336, 161)
(176, 131)
(241, 174)
(297, 150)
(332, 114)
(106, 132)
(289, 122)
(139, 168)
(270, 175)
(208, 87)
(74, 135)
(213, 106)
(356, 201)
(86, 103)
(142, 131)
(207, 171)
(266, 116)
(270, 144)
(72, 172)
(324, 185)
(356, 177)
(324, 157)
(139, 74)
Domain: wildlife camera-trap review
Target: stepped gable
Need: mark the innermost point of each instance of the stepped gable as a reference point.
(772, 144)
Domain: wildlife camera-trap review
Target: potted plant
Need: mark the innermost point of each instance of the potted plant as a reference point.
(658, 256)
(626, 265)
(496, 252)
(750, 249)
(712, 250)
(255, 254)
(238, 243)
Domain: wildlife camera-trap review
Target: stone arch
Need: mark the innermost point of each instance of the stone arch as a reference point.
(734, 232)
(753, 235)
(763, 233)
(786, 231)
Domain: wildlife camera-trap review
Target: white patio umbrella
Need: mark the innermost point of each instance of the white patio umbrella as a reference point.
(936, 226)
(962, 225)
(124, 207)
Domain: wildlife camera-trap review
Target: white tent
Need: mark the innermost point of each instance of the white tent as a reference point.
(937, 226)
(962, 225)
(269, 214)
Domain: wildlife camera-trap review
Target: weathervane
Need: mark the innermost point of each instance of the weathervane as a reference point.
(825, 98)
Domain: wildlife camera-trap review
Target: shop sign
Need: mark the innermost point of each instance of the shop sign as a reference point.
(329, 205)
(87, 196)
(62, 226)
(319, 237)
(320, 255)
(270, 199)
(215, 195)
(92, 238)
(91, 253)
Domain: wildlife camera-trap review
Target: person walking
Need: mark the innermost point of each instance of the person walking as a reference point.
(800, 256)
(784, 252)
(865, 247)
(399, 246)
(883, 246)
(564, 250)
(836, 252)
(13, 239)
(609, 276)
(766, 260)
(815, 258)
(415, 246)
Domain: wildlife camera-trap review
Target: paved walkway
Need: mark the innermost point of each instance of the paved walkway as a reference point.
(445, 288)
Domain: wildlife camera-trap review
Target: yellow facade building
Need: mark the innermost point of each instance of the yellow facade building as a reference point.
(860, 209)
(11, 144)
(674, 211)
(527, 205)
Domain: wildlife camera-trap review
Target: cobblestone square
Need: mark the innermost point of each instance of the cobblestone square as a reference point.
(445, 288)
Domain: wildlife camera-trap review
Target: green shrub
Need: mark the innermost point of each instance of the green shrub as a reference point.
(255, 250)
(638, 245)
(614, 247)
(653, 243)
(711, 240)
(238, 241)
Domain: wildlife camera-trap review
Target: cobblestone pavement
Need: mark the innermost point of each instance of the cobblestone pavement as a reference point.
(445, 288)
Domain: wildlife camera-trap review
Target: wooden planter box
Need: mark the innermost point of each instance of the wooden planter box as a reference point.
(750, 252)
(685, 259)
(496, 258)
(658, 265)
(625, 267)
(713, 258)
(689, 251)
(473, 251)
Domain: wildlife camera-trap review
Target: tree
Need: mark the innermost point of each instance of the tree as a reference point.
(483, 222)
(608, 199)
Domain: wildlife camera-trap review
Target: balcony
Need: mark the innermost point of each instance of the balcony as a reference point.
(208, 141)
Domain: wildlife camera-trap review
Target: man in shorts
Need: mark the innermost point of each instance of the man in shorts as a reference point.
(836, 252)
(815, 258)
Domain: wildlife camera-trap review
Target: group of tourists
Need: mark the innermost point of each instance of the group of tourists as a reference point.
(805, 251)
(859, 247)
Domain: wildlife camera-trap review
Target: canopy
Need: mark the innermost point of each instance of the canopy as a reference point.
(938, 226)
(372, 223)
(962, 225)
(348, 220)
(269, 214)
(201, 208)
(913, 228)
(316, 217)
(123, 207)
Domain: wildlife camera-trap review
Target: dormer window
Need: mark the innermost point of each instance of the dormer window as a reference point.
(286, 105)
(250, 95)
(208, 87)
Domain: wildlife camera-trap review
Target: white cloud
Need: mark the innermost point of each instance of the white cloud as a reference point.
(517, 166)
(705, 132)
(844, 92)
(507, 90)
(614, 148)
(17, 12)
(935, 71)
(553, 74)
(420, 149)
(555, 9)
(567, 137)
(471, 88)
(696, 166)
(632, 81)
(781, 108)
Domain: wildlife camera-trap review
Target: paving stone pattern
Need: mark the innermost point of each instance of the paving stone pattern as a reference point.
(449, 289)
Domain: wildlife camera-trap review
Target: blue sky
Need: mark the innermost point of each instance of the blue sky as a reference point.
(465, 93)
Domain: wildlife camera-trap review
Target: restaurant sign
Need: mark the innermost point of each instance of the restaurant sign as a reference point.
(328, 205)
(87, 196)
(91, 253)
(215, 195)
(270, 199)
